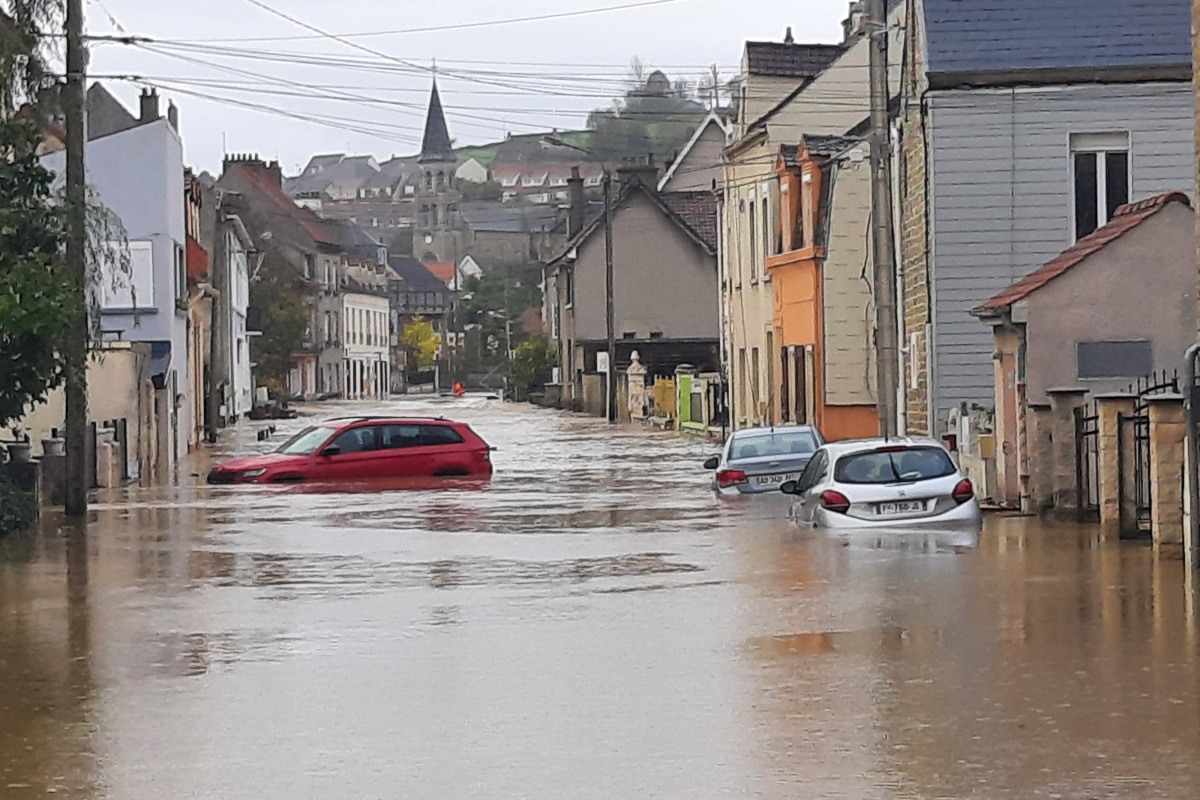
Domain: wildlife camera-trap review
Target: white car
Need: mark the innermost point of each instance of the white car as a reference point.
(758, 460)
(880, 483)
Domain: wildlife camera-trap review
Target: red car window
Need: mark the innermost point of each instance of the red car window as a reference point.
(439, 435)
(356, 440)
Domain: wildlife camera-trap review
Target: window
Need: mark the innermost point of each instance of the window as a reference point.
(1098, 360)
(766, 228)
(894, 465)
(306, 441)
(439, 435)
(741, 385)
(815, 472)
(356, 440)
(310, 266)
(569, 287)
(1100, 178)
(753, 239)
(754, 378)
(180, 273)
(798, 231)
(397, 436)
(780, 443)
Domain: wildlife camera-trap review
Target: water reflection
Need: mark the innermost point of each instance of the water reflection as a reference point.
(591, 624)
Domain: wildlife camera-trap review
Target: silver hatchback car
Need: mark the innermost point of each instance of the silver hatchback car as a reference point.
(758, 460)
(878, 483)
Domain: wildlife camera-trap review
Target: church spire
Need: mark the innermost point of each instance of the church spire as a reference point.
(436, 144)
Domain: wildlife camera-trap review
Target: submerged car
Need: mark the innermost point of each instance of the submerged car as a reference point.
(879, 483)
(362, 448)
(759, 460)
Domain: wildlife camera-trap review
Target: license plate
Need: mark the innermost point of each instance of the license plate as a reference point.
(773, 480)
(903, 507)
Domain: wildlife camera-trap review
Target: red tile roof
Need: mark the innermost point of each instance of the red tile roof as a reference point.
(1126, 218)
(312, 224)
(698, 210)
(442, 270)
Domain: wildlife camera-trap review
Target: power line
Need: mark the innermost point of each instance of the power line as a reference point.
(458, 26)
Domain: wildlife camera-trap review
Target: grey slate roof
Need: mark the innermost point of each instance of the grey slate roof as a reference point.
(436, 144)
(416, 277)
(323, 171)
(820, 145)
(782, 60)
(982, 36)
(492, 218)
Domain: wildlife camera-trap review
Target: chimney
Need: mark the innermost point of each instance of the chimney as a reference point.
(640, 169)
(788, 38)
(273, 172)
(852, 26)
(149, 106)
(173, 115)
(575, 213)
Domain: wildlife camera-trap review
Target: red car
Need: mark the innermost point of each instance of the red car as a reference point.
(358, 448)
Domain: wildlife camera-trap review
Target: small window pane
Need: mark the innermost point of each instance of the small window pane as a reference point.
(356, 440)
(439, 435)
(1117, 180)
(1114, 359)
(1085, 194)
(395, 436)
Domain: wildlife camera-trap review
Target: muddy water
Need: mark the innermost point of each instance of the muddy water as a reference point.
(592, 625)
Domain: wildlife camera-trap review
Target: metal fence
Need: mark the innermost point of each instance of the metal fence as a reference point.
(1133, 454)
(1087, 462)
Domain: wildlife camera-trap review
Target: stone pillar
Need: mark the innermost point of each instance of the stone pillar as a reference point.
(1168, 427)
(1109, 407)
(1063, 403)
(635, 377)
(1040, 459)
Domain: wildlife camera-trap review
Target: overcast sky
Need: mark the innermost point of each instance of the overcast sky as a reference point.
(518, 77)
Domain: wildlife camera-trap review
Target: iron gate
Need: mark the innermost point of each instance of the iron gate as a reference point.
(1133, 455)
(1087, 462)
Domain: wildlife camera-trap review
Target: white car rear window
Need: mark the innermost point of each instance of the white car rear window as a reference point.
(894, 465)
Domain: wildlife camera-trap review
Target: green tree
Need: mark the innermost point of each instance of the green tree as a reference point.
(533, 363)
(34, 308)
(421, 344)
(286, 308)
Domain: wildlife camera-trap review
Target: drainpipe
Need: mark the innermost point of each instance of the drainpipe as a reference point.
(903, 347)
(1193, 456)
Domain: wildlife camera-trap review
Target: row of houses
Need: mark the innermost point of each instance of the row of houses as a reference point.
(176, 327)
(1024, 137)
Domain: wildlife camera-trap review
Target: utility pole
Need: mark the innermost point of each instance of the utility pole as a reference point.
(609, 314)
(887, 366)
(76, 348)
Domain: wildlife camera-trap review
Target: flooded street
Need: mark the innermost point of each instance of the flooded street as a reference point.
(594, 624)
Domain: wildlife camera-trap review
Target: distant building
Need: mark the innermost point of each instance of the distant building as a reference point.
(437, 235)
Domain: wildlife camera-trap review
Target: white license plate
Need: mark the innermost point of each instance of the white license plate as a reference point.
(774, 480)
(903, 507)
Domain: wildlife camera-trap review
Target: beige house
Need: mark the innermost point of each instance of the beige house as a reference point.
(1113, 308)
(698, 166)
(826, 92)
(665, 289)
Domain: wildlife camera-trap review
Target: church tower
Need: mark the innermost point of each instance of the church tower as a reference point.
(437, 235)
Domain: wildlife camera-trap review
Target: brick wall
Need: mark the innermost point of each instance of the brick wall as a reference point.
(914, 250)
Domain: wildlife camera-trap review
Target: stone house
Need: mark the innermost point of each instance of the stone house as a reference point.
(233, 254)
(1115, 307)
(665, 285)
(201, 300)
(1018, 137)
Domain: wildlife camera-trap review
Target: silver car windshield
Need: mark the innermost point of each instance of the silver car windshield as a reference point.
(777, 443)
(894, 465)
(306, 442)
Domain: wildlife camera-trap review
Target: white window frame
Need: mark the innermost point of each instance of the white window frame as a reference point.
(1101, 144)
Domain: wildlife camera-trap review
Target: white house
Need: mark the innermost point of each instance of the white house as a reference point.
(367, 324)
(472, 171)
(138, 174)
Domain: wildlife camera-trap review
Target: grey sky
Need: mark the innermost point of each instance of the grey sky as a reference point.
(518, 77)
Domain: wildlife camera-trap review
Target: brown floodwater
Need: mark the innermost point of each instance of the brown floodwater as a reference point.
(592, 624)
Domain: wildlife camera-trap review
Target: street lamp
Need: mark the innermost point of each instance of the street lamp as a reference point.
(610, 325)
